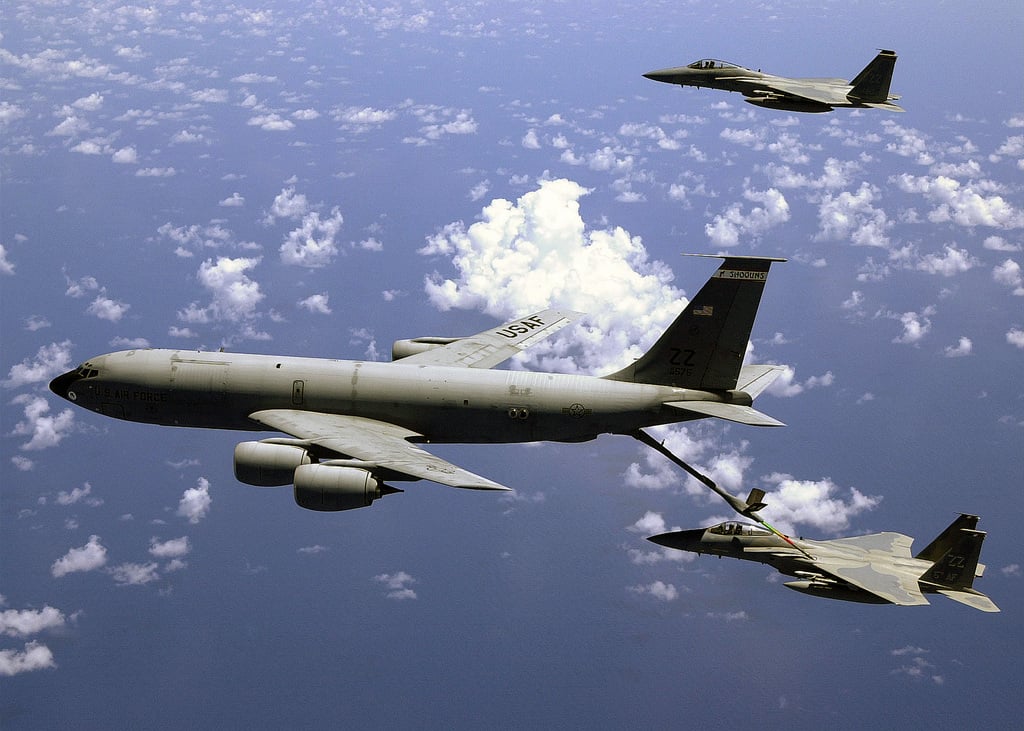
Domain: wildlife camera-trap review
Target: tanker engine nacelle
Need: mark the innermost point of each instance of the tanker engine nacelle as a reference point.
(268, 465)
(404, 348)
(326, 487)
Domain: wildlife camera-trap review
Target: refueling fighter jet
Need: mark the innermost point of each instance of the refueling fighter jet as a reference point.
(870, 88)
(875, 569)
(352, 425)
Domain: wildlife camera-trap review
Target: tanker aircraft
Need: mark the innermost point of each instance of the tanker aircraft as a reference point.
(351, 425)
(869, 89)
(875, 569)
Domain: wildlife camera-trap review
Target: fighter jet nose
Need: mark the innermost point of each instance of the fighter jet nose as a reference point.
(683, 540)
(664, 539)
(666, 75)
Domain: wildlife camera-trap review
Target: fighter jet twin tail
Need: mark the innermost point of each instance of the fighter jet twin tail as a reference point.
(351, 427)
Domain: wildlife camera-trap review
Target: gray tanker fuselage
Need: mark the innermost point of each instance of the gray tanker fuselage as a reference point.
(351, 425)
(445, 404)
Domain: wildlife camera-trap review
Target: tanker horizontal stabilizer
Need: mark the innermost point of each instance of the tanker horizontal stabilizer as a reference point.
(730, 412)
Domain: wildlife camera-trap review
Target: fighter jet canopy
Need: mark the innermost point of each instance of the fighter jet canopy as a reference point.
(711, 63)
(733, 528)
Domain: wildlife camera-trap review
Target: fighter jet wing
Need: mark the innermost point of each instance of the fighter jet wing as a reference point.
(491, 347)
(824, 91)
(872, 572)
(376, 444)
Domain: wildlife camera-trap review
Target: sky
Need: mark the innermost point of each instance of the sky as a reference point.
(320, 179)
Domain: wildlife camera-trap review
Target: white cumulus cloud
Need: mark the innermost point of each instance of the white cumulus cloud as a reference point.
(728, 227)
(91, 556)
(195, 501)
(234, 295)
(952, 261)
(915, 326)
(815, 503)
(963, 347)
(35, 656)
(173, 548)
(853, 216)
(314, 243)
(317, 303)
(125, 156)
(106, 308)
(969, 204)
(657, 589)
(43, 429)
(535, 253)
(135, 574)
(50, 361)
(397, 585)
(1009, 275)
(27, 622)
(77, 495)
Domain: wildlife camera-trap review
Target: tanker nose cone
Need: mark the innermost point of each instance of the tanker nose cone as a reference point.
(61, 385)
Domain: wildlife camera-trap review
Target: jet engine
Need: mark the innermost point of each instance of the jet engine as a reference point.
(404, 348)
(327, 487)
(268, 465)
(773, 101)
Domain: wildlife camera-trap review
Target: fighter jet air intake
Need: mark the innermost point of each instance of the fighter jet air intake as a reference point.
(353, 425)
(875, 569)
(870, 88)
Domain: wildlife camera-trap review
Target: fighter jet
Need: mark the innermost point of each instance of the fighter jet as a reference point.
(352, 425)
(870, 88)
(875, 569)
